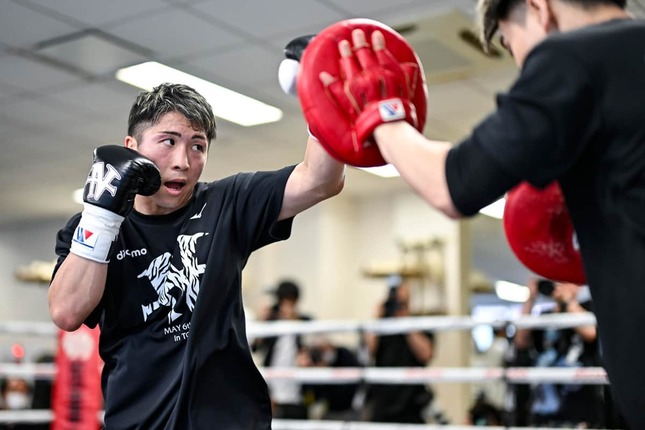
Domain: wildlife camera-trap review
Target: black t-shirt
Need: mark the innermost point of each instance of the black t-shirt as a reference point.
(577, 114)
(173, 335)
(398, 402)
(339, 397)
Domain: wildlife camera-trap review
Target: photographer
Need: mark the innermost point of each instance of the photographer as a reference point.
(287, 400)
(399, 403)
(338, 399)
(558, 405)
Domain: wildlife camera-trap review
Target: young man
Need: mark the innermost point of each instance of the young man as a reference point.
(160, 272)
(575, 114)
(282, 351)
(403, 403)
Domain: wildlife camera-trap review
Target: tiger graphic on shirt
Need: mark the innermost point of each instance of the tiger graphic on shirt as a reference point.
(176, 287)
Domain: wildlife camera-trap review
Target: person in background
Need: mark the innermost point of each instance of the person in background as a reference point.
(282, 351)
(401, 403)
(559, 405)
(339, 399)
(16, 396)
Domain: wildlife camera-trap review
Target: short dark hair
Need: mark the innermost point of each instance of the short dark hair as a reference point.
(287, 289)
(491, 12)
(150, 106)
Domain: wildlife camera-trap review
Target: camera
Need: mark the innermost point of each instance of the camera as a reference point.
(316, 355)
(392, 304)
(545, 287)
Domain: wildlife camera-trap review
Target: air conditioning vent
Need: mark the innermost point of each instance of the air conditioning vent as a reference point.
(449, 49)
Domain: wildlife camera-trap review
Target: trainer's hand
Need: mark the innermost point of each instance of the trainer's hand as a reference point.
(373, 87)
(116, 176)
(348, 87)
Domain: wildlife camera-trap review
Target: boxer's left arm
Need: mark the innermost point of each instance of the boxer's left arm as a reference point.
(316, 178)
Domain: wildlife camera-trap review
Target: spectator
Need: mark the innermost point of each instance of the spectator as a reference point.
(286, 396)
(401, 403)
(559, 405)
(338, 398)
(16, 395)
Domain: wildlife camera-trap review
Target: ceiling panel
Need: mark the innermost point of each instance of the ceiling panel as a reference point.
(455, 98)
(270, 18)
(23, 27)
(105, 99)
(39, 114)
(97, 13)
(159, 32)
(30, 75)
(393, 13)
(242, 65)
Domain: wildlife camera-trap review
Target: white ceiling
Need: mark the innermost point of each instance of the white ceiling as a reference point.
(59, 99)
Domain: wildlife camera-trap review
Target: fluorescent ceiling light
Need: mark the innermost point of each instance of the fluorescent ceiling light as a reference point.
(227, 104)
(385, 171)
(495, 209)
(512, 292)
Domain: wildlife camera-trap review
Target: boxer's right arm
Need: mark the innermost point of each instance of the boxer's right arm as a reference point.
(75, 291)
(117, 175)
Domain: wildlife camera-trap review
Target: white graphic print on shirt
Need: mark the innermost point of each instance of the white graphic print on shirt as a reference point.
(172, 283)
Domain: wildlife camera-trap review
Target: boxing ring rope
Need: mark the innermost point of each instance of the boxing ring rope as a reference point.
(377, 326)
(44, 416)
(421, 375)
(380, 375)
(408, 324)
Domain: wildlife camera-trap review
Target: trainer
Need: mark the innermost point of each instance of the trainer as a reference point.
(574, 115)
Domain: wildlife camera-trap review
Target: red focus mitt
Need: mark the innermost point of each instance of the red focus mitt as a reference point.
(540, 232)
(369, 88)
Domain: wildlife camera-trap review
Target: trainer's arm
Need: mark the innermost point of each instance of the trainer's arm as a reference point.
(420, 162)
(458, 180)
(316, 178)
(75, 291)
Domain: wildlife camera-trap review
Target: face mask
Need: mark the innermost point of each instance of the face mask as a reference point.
(16, 401)
(329, 356)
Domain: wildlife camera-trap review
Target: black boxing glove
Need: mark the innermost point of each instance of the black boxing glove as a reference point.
(117, 175)
(288, 71)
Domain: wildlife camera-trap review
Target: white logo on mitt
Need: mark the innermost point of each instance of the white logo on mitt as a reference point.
(391, 110)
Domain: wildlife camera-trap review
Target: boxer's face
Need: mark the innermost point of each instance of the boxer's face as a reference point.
(180, 153)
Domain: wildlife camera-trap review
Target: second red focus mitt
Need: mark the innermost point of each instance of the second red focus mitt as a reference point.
(540, 232)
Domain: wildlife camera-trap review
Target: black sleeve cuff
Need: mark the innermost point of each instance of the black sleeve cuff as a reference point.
(475, 179)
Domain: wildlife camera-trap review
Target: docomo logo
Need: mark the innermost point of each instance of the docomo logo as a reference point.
(127, 253)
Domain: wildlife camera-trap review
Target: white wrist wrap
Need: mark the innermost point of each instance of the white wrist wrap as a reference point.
(95, 232)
